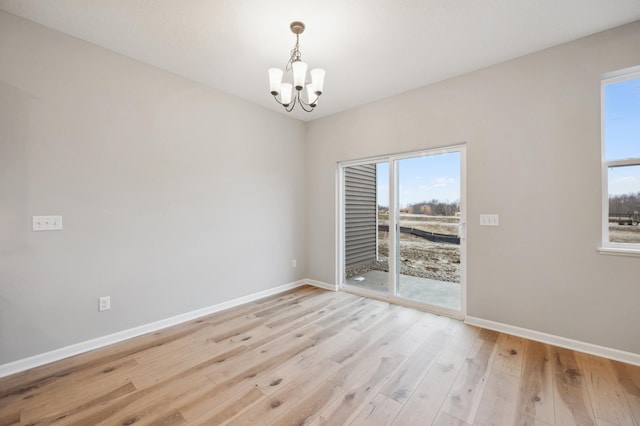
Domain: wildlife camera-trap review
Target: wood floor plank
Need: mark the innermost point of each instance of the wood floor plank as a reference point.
(308, 409)
(274, 379)
(607, 398)
(310, 356)
(464, 398)
(152, 407)
(122, 406)
(629, 379)
(403, 382)
(231, 409)
(361, 361)
(509, 355)
(55, 411)
(304, 310)
(536, 387)
(382, 309)
(68, 392)
(417, 334)
(10, 418)
(522, 420)
(275, 405)
(499, 400)
(388, 328)
(445, 419)
(240, 373)
(424, 404)
(381, 410)
(571, 396)
(455, 354)
(269, 354)
(174, 418)
(344, 409)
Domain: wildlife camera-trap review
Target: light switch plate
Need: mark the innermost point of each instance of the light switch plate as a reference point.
(489, 220)
(47, 223)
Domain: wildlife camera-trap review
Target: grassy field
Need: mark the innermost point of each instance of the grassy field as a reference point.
(624, 233)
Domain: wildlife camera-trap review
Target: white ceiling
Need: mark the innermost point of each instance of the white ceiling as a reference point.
(370, 49)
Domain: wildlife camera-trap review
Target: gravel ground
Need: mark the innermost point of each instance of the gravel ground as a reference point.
(418, 258)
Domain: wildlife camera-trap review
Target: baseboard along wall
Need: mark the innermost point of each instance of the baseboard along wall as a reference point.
(89, 345)
(551, 339)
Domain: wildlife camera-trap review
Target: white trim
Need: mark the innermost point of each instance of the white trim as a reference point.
(99, 342)
(401, 301)
(606, 246)
(321, 284)
(563, 342)
(619, 251)
(621, 75)
(339, 224)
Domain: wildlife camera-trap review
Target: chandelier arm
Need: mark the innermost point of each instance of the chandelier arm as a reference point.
(276, 99)
(309, 104)
(305, 105)
(291, 105)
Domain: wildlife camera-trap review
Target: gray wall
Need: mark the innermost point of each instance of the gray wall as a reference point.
(174, 196)
(532, 128)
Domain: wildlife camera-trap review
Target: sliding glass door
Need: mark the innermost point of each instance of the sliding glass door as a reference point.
(402, 229)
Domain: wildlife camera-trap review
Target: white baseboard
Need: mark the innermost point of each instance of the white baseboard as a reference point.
(99, 342)
(563, 342)
(320, 284)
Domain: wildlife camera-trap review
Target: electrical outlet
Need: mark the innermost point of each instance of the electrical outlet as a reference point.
(294, 263)
(104, 303)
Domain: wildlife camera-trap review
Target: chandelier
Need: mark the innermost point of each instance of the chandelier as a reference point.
(287, 97)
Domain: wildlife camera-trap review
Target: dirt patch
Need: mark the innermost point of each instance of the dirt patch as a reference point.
(418, 258)
(624, 233)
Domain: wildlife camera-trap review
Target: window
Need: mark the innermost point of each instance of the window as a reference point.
(621, 162)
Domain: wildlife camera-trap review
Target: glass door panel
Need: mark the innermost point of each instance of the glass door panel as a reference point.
(428, 214)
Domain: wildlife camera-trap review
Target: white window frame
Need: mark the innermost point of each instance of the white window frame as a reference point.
(608, 247)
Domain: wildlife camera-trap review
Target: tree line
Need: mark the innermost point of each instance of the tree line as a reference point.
(618, 204)
(624, 203)
(431, 208)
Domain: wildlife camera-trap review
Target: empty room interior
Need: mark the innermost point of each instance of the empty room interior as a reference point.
(340, 213)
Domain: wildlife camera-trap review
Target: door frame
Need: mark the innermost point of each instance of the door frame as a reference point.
(391, 296)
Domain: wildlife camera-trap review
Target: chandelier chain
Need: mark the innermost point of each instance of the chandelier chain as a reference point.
(296, 55)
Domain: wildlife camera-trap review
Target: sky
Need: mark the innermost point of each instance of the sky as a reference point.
(622, 134)
(423, 178)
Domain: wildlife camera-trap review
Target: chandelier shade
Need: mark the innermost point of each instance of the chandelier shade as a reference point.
(289, 94)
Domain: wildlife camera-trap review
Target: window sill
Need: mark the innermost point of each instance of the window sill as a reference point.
(620, 251)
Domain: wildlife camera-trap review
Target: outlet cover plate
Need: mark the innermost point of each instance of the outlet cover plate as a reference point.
(104, 303)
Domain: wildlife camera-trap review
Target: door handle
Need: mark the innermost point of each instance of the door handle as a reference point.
(462, 230)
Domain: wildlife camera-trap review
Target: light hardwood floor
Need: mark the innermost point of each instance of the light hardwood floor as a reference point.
(316, 357)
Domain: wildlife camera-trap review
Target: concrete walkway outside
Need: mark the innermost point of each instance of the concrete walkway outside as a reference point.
(424, 290)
